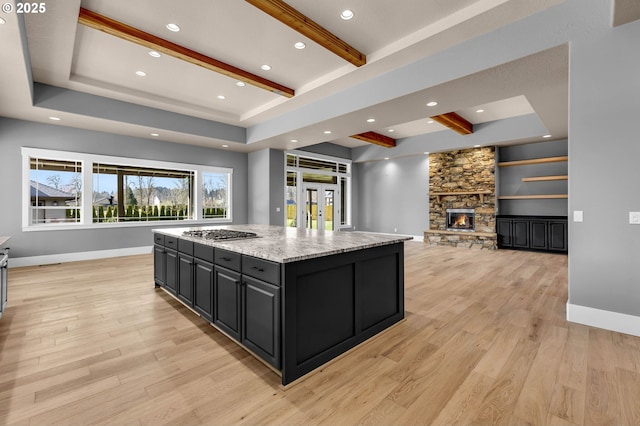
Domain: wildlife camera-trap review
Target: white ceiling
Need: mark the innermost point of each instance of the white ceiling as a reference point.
(68, 55)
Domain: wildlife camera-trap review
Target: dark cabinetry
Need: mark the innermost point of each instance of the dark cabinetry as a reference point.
(261, 310)
(238, 294)
(203, 280)
(532, 233)
(165, 262)
(227, 300)
(296, 316)
(203, 288)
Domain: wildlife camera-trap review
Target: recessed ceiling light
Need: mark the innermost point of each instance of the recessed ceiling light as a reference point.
(391, 130)
(141, 73)
(225, 146)
(294, 140)
(266, 67)
(430, 122)
(476, 146)
(221, 97)
(327, 132)
(426, 153)
(241, 83)
(346, 14)
(386, 158)
(371, 120)
(54, 118)
(173, 27)
(154, 54)
(479, 110)
(300, 45)
(432, 103)
(546, 136)
(155, 134)
(2, 21)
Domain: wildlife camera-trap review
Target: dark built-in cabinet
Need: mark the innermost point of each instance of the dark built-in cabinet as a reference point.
(541, 233)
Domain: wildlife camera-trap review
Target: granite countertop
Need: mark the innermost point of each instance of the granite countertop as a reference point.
(283, 245)
(3, 240)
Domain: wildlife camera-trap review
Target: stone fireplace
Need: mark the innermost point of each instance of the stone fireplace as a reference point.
(462, 202)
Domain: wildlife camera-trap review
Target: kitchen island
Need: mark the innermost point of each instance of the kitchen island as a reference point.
(295, 298)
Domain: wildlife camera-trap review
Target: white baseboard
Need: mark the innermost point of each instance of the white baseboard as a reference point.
(614, 321)
(16, 262)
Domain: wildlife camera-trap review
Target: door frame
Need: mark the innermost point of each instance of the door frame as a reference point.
(320, 188)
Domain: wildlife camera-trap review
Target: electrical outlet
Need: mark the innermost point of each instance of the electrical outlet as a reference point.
(634, 218)
(578, 216)
(395, 229)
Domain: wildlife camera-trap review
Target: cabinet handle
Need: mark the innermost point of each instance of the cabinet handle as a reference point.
(257, 269)
(226, 259)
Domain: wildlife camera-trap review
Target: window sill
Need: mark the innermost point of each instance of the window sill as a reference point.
(119, 225)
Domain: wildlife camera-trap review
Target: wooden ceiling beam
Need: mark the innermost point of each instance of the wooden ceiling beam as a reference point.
(134, 35)
(455, 122)
(310, 29)
(376, 138)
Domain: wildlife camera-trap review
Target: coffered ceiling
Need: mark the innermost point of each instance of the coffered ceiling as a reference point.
(54, 49)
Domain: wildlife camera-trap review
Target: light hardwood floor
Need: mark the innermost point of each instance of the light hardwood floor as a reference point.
(485, 342)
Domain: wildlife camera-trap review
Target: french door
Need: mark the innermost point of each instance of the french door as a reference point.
(322, 206)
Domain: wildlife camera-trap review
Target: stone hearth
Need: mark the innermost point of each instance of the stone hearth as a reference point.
(462, 179)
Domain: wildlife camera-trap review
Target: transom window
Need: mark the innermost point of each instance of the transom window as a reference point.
(120, 191)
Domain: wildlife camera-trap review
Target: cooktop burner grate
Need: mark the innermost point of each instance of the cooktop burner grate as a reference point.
(220, 234)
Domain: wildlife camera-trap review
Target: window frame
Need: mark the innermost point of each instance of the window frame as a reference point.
(300, 171)
(86, 212)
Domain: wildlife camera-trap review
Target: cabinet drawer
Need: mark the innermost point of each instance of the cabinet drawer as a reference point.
(171, 242)
(203, 252)
(261, 269)
(185, 247)
(158, 239)
(228, 259)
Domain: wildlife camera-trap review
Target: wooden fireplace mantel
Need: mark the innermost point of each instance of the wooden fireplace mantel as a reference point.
(481, 194)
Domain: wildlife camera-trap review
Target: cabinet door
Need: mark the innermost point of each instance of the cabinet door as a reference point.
(171, 270)
(520, 233)
(558, 236)
(538, 234)
(185, 278)
(159, 272)
(203, 289)
(504, 232)
(226, 301)
(261, 319)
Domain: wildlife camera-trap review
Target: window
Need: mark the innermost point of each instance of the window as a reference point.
(134, 194)
(55, 191)
(121, 191)
(215, 189)
(308, 175)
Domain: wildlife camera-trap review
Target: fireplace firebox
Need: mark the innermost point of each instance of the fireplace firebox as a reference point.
(461, 220)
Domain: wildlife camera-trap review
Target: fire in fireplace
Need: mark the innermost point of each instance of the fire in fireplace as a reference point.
(461, 219)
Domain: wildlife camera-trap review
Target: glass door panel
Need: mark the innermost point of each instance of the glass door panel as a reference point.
(311, 208)
(321, 206)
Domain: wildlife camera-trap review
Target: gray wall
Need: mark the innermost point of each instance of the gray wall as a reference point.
(509, 179)
(393, 195)
(15, 134)
(604, 153)
(266, 187)
(329, 149)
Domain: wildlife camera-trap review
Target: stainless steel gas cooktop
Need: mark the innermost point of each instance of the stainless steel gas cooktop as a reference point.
(220, 234)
